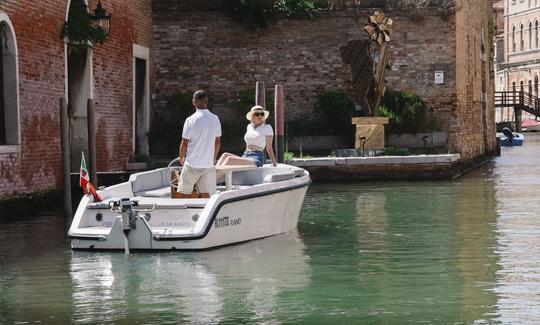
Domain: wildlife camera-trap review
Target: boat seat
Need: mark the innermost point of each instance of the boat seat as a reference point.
(150, 180)
(252, 176)
(158, 192)
(265, 174)
(277, 177)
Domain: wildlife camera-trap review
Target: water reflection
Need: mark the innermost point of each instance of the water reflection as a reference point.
(237, 283)
(463, 251)
(517, 176)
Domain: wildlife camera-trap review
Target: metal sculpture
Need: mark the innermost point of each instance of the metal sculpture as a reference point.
(368, 60)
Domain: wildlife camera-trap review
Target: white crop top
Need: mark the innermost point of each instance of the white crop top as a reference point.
(257, 136)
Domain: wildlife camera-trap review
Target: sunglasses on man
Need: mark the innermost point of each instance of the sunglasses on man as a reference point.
(258, 114)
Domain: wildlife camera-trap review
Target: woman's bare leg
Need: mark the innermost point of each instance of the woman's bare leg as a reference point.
(235, 160)
(224, 156)
(231, 160)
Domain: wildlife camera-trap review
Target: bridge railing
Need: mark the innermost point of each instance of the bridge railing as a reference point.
(518, 99)
(509, 98)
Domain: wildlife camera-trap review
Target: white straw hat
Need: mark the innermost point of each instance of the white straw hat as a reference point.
(256, 109)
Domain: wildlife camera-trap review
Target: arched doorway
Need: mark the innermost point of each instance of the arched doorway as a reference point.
(9, 87)
(141, 99)
(79, 82)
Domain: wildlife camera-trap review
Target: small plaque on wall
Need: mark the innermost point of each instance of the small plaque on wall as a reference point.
(439, 77)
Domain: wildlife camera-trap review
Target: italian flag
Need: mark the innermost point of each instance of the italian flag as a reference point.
(84, 181)
(84, 178)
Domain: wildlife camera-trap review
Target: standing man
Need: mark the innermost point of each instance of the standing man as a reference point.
(201, 139)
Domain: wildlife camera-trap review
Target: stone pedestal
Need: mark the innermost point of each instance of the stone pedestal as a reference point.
(369, 132)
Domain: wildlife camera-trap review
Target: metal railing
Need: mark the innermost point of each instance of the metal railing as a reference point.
(518, 100)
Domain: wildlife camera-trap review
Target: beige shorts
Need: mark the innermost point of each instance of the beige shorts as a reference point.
(205, 178)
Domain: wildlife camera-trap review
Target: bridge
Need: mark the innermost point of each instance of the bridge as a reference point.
(520, 101)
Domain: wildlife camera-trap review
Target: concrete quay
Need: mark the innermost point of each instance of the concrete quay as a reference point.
(417, 167)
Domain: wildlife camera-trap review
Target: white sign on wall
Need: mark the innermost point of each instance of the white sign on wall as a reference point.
(439, 77)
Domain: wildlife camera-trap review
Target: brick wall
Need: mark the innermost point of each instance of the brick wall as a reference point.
(205, 49)
(471, 133)
(198, 48)
(37, 27)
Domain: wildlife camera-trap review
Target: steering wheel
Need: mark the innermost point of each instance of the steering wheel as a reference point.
(174, 165)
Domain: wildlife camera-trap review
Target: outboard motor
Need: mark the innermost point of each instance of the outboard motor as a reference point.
(129, 217)
(509, 135)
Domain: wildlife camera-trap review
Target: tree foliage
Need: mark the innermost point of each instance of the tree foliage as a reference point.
(255, 14)
(79, 29)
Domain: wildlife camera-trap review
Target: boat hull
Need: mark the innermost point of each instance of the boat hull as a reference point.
(232, 219)
(517, 140)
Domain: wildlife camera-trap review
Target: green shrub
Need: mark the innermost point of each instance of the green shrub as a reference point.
(334, 111)
(331, 115)
(394, 151)
(406, 112)
(287, 156)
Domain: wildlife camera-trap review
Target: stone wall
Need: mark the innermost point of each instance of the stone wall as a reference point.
(36, 164)
(198, 46)
(472, 131)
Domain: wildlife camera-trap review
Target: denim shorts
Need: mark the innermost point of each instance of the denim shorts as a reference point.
(257, 156)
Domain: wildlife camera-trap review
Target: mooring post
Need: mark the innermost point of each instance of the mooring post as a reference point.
(66, 165)
(259, 94)
(92, 141)
(279, 111)
(517, 113)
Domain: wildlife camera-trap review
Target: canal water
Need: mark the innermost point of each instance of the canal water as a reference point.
(459, 252)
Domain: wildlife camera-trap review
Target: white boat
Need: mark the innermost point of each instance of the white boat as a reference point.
(140, 213)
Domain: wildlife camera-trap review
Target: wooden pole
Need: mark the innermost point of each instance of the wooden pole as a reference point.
(259, 94)
(66, 165)
(91, 116)
(517, 113)
(279, 111)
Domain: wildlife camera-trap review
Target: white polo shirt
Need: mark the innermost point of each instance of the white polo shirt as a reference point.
(257, 136)
(201, 129)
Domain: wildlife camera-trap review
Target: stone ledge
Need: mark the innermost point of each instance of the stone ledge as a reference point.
(380, 168)
(383, 160)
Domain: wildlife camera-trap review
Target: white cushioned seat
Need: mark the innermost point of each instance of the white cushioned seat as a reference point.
(277, 177)
(150, 180)
(158, 192)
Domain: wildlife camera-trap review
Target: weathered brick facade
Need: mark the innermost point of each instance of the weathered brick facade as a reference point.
(472, 131)
(35, 163)
(198, 46)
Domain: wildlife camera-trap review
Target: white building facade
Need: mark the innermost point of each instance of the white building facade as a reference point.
(518, 68)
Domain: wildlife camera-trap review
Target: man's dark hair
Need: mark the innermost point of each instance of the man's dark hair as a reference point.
(199, 94)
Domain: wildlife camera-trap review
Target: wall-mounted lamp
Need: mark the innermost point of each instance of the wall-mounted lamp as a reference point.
(101, 18)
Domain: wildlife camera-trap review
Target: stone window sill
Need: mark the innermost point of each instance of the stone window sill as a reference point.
(10, 148)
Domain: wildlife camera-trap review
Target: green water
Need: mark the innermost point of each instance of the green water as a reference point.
(450, 252)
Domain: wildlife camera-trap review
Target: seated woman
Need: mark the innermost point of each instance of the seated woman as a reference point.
(259, 136)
